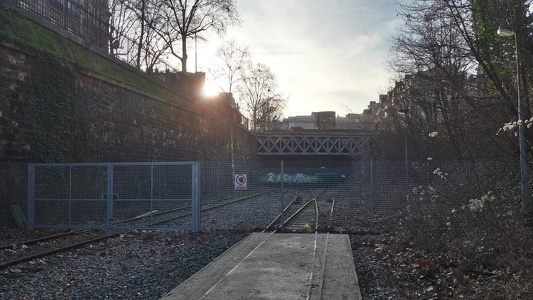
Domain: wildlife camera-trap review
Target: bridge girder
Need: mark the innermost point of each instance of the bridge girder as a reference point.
(313, 145)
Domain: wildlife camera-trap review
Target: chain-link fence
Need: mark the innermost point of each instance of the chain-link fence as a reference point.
(114, 196)
(13, 191)
(352, 195)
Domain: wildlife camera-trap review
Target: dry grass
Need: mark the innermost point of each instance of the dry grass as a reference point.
(479, 249)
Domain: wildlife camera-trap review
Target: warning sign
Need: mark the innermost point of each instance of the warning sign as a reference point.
(240, 181)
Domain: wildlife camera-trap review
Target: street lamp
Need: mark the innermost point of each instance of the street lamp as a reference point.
(507, 31)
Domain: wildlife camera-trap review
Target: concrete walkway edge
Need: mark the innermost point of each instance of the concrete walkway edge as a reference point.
(277, 266)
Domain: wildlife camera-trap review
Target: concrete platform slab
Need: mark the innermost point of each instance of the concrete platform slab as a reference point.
(277, 266)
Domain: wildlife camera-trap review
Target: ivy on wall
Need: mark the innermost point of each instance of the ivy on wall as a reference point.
(72, 119)
(56, 126)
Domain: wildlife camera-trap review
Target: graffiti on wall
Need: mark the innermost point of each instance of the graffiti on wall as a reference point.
(288, 178)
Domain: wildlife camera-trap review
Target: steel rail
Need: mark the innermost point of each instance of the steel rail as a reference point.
(35, 241)
(54, 251)
(276, 219)
(300, 210)
(94, 240)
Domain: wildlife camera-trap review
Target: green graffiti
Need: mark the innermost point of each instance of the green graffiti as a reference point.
(288, 178)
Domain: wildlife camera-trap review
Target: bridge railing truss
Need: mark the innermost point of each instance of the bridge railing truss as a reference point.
(312, 145)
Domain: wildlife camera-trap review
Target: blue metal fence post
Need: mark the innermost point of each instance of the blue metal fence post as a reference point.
(31, 197)
(110, 196)
(196, 197)
(372, 208)
(282, 199)
(70, 195)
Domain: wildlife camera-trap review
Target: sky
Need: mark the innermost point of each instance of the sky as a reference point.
(327, 55)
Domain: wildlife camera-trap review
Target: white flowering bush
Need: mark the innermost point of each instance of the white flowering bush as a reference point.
(435, 215)
(469, 237)
(461, 228)
(479, 205)
(440, 173)
(425, 216)
(512, 127)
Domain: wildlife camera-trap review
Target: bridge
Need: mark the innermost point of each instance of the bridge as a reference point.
(313, 144)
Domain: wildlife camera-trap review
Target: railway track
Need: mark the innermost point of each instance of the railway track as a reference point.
(180, 215)
(20, 252)
(303, 212)
(11, 255)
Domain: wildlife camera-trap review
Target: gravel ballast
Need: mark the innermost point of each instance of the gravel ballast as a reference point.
(135, 265)
(148, 264)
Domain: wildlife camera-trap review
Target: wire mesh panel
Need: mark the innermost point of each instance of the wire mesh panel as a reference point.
(350, 195)
(67, 195)
(13, 191)
(272, 186)
(392, 188)
(239, 195)
(346, 195)
(114, 196)
(154, 196)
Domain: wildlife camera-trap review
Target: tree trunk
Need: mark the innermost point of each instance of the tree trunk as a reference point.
(141, 38)
(184, 52)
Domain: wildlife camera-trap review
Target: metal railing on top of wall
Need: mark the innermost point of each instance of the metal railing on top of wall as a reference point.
(92, 25)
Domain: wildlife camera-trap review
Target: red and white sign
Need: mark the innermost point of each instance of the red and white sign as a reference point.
(240, 181)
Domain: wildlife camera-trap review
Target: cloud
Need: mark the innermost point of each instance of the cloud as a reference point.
(324, 54)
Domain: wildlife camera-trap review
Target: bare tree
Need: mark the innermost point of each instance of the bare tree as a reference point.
(259, 97)
(121, 23)
(233, 58)
(133, 25)
(477, 22)
(184, 19)
(443, 90)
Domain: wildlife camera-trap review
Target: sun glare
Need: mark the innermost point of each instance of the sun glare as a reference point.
(211, 89)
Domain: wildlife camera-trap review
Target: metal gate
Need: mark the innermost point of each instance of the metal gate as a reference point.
(114, 196)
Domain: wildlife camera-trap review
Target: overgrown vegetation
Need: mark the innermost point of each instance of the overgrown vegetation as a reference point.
(36, 40)
(56, 125)
(58, 66)
(457, 100)
(471, 249)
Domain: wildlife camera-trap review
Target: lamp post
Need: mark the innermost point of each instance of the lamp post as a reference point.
(507, 31)
(406, 112)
